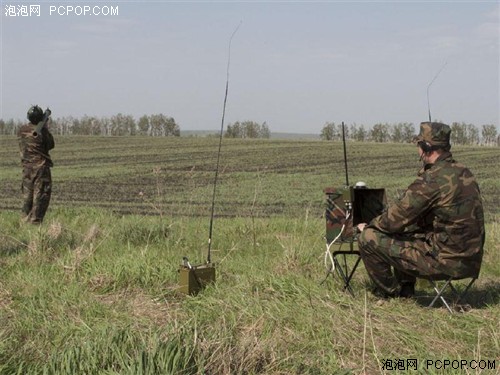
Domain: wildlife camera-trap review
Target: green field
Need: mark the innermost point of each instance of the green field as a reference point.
(94, 289)
(174, 176)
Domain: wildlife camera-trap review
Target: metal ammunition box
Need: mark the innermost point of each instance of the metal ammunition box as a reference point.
(194, 279)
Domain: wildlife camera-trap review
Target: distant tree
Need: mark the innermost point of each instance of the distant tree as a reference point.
(252, 129)
(106, 126)
(128, 124)
(458, 133)
(161, 125)
(353, 128)
(329, 132)
(88, 125)
(233, 130)
(156, 122)
(264, 131)
(472, 134)
(358, 133)
(408, 132)
(143, 125)
(171, 128)
(76, 126)
(489, 134)
(11, 127)
(238, 130)
(96, 126)
(122, 125)
(402, 132)
(247, 129)
(397, 133)
(55, 126)
(464, 134)
(62, 125)
(380, 133)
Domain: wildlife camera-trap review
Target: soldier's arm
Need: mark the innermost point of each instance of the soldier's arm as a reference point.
(49, 139)
(21, 138)
(418, 199)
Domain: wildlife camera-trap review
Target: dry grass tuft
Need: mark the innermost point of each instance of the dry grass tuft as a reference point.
(55, 230)
(5, 298)
(33, 247)
(99, 282)
(93, 233)
(143, 308)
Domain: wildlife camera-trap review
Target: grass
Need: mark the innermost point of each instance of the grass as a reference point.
(94, 289)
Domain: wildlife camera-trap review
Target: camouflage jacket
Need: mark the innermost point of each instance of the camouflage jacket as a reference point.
(444, 206)
(35, 150)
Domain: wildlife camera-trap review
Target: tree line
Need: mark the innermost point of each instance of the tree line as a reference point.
(247, 129)
(157, 125)
(461, 133)
(160, 125)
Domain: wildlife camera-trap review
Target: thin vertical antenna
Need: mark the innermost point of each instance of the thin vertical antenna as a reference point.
(345, 156)
(428, 87)
(220, 144)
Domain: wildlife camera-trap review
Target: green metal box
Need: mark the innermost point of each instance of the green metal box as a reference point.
(195, 278)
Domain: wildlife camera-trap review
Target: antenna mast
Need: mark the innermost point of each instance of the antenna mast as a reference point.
(220, 144)
(428, 87)
(345, 156)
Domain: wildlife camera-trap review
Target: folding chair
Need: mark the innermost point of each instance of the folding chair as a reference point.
(457, 296)
(342, 269)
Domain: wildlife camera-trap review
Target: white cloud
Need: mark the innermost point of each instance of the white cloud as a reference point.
(60, 48)
(488, 30)
(494, 13)
(446, 43)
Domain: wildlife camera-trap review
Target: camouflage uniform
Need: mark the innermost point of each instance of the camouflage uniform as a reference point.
(435, 230)
(37, 180)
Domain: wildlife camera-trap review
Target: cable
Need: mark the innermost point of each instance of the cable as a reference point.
(328, 253)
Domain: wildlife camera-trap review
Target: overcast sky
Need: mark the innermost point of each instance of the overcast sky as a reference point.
(294, 65)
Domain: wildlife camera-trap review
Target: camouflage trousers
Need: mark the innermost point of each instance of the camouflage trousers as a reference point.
(409, 256)
(37, 189)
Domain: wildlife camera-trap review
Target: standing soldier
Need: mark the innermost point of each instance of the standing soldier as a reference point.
(435, 230)
(35, 141)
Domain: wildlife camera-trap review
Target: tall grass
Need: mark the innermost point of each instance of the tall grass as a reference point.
(93, 292)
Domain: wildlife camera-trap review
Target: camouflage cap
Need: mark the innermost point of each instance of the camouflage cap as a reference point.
(435, 133)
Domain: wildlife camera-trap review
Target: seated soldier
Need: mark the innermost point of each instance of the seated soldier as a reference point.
(435, 230)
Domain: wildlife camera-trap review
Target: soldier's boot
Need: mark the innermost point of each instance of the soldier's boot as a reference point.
(407, 290)
(379, 293)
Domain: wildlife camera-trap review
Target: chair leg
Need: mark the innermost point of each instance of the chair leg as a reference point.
(462, 295)
(439, 294)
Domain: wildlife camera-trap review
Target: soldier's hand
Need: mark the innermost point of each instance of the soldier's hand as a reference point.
(360, 227)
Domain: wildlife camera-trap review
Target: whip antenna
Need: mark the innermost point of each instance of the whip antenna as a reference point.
(345, 156)
(220, 144)
(428, 87)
